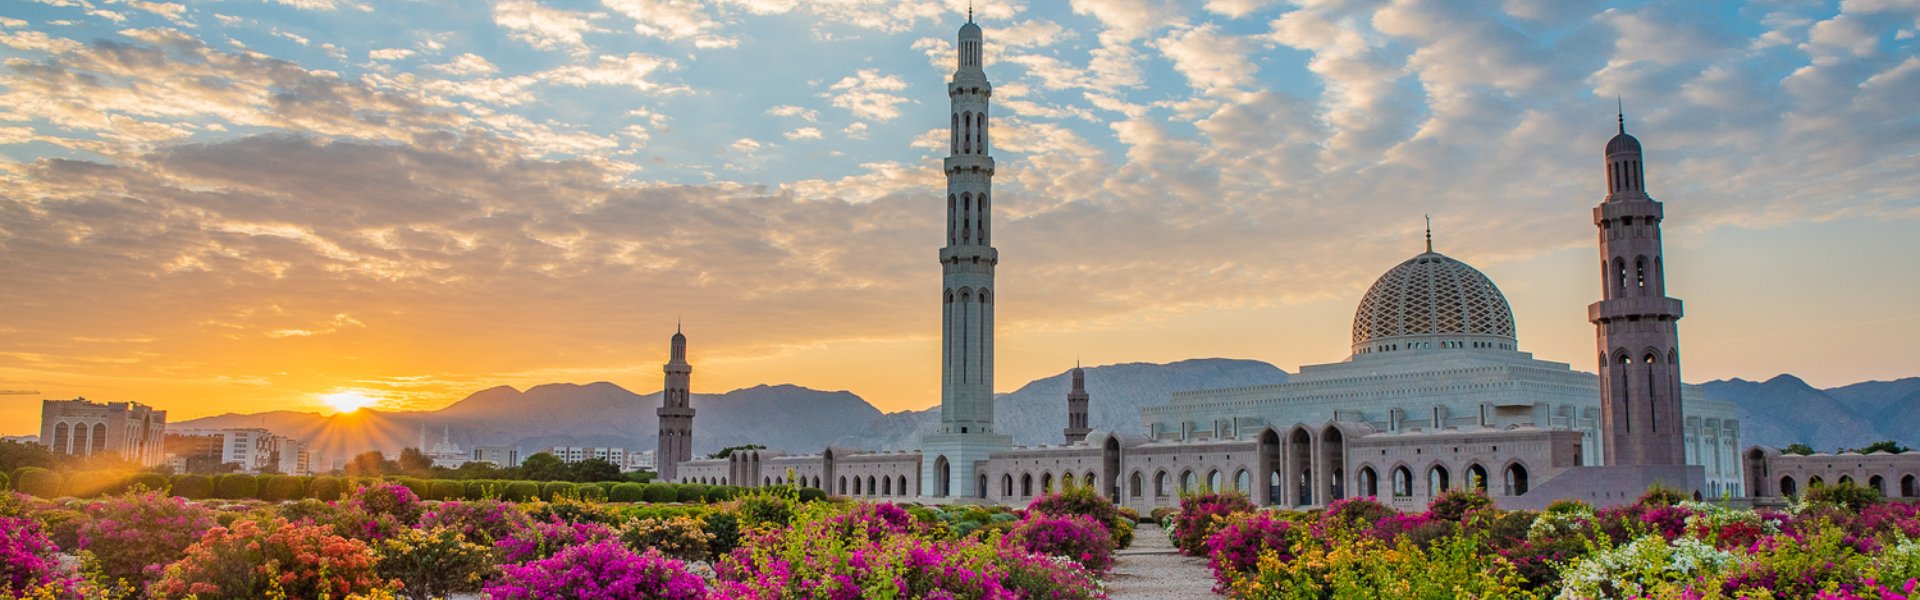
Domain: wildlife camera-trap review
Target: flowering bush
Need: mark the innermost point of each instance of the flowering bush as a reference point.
(27, 558)
(1084, 500)
(134, 537)
(256, 559)
(434, 563)
(481, 521)
(873, 551)
(1645, 566)
(1201, 515)
(545, 539)
(1349, 566)
(1077, 537)
(1237, 548)
(601, 570)
(379, 510)
(678, 537)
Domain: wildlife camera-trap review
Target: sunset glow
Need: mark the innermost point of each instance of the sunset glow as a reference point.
(327, 206)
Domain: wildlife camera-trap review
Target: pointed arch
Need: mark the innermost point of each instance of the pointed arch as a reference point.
(1438, 480)
(1477, 477)
(1369, 482)
(1516, 479)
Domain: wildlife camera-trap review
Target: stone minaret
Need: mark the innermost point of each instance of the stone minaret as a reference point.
(1077, 407)
(968, 294)
(1637, 323)
(676, 412)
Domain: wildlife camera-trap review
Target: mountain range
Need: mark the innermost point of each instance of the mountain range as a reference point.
(1776, 412)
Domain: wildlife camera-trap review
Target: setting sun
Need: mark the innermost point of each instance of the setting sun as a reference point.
(348, 401)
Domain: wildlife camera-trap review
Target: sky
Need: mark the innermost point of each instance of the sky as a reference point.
(245, 205)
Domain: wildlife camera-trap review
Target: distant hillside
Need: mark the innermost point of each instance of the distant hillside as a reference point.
(1776, 412)
(1785, 410)
(1037, 412)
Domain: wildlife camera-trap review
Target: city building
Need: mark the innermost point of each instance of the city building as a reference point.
(1435, 395)
(628, 461)
(80, 427)
(499, 456)
(246, 449)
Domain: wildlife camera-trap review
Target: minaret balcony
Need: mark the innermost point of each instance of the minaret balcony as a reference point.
(1644, 307)
(969, 162)
(969, 253)
(1614, 211)
(675, 411)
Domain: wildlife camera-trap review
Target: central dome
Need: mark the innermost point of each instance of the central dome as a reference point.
(1432, 302)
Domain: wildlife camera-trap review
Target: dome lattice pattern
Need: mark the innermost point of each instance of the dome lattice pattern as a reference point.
(1432, 294)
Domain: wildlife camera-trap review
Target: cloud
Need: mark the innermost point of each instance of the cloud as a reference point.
(1213, 63)
(389, 54)
(868, 95)
(467, 64)
(545, 27)
(790, 111)
(674, 20)
(803, 133)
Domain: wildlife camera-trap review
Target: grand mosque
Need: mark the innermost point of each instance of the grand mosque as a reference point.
(1436, 394)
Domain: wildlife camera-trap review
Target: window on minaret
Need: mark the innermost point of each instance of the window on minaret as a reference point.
(1640, 272)
(953, 145)
(966, 133)
(1620, 275)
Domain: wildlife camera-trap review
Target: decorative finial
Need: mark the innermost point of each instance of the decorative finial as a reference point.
(969, 11)
(676, 324)
(1429, 232)
(1620, 111)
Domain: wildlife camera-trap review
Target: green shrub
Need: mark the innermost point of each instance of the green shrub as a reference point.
(692, 492)
(560, 489)
(35, 481)
(283, 487)
(326, 488)
(88, 484)
(235, 486)
(721, 493)
(4, 481)
(420, 487)
(148, 481)
(1454, 505)
(192, 487)
(440, 563)
(662, 492)
(766, 509)
(628, 492)
(725, 529)
(1846, 494)
(62, 525)
(812, 494)
(593, 493)
(520, 491)
(684, 538)
(482, 489)
(446, 489)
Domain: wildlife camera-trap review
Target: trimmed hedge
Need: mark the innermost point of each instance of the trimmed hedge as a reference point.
(692, 492)
(520, 491)
(35, 481)
(148, 481)
(284, 487)
(480, 489)
(87, 484)
(559, 489)
(4, 480)
(192, 487)
(628, 492)
(662, 492)
(812, 494)
(237, 486)
(721, 493)
(326, 488)
(593, 493)
(446, 489)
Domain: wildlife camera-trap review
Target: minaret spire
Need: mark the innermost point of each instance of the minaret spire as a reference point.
(1620, 112)
(1636, 323)
(676, 411)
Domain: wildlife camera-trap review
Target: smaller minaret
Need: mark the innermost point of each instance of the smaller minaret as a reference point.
(1076, 431)
(676, 412)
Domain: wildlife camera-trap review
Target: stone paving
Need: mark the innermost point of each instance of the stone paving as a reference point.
(1152, 570)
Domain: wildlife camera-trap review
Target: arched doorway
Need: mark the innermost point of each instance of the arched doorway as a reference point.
(1516, 480)
(1369, 482)
(1878, 483)
(1477, 477)
(1300, 466)
(1437, 481)
(1907, 487)
(1788, 488)
(1134, 485)
(1756, 472)
(1243, 482)
(1110, 468)
(980, 487)
(1333, 462)
(943, 477)
(1268, 466)
(1026, 485)
(1402, 482)
(1006, 486)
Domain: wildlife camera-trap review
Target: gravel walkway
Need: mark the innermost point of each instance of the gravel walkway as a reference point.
(1152, 570)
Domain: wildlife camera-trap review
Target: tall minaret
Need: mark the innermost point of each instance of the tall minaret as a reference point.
(676, 412)
(1637, 324)
(967, 300)
(1077, 407)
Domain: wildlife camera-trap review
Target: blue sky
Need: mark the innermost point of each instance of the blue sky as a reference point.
(260, 202)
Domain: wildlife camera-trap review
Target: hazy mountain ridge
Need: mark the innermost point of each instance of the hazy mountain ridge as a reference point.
(1780, 411)
(1786, 410)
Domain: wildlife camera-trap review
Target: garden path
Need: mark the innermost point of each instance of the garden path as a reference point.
(1152, 570)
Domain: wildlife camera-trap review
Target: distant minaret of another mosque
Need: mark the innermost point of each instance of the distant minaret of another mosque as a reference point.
(1077, 430)
(676, 412)
(1637, 325)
